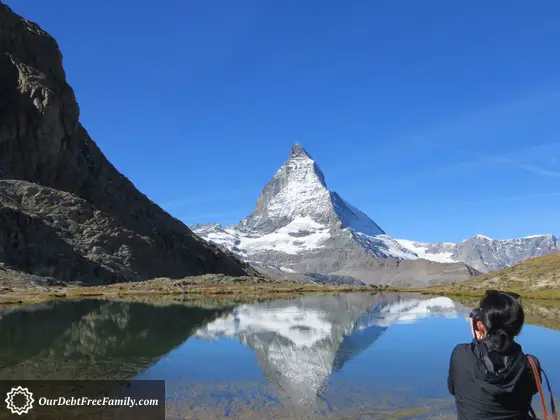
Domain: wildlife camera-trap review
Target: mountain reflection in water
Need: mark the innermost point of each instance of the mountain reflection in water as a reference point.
(300, 343)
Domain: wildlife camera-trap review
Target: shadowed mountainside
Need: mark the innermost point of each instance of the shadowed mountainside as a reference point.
(66, 213)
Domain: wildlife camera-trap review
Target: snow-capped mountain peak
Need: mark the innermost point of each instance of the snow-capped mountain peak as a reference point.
(300, 227)
(298, 190)
(299, 151)
(481, 237)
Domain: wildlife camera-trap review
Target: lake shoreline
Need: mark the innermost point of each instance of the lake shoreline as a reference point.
(227, 288)
(547, 294)
(199, 287)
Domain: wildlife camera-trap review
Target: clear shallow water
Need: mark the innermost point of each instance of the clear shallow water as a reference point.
(347, 356)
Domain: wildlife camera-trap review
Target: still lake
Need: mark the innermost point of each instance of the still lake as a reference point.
(354, 356)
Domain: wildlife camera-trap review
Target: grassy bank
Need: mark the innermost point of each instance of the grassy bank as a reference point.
(541, 312)
(536, 278)
(210, 286)
(452, 291)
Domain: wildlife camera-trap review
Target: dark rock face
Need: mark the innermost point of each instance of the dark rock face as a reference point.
(74, 202)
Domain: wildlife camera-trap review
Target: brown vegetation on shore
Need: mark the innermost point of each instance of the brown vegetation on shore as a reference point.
(536, 278)
(214, 286)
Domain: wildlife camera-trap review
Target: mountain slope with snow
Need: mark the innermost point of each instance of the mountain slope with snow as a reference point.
(298, 193)
(486, 254)
(299, 226)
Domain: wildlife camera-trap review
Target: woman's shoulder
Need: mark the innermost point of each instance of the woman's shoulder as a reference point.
(463, 347)
(527, 356)
(462, 350)
(535, 359)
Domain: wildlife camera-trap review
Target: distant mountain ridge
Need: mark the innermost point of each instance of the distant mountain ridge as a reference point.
(486, 254)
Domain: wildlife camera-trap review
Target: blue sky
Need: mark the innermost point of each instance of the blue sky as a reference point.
(439, 119)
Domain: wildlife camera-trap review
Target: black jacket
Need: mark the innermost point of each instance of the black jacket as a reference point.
(489, 384)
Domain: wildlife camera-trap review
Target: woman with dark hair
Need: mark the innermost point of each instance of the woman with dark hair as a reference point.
(491, 377)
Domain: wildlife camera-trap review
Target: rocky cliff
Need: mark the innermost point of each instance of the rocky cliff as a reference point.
(65, 211)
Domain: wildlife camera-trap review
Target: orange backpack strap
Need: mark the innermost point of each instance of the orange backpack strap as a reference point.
(538, 382)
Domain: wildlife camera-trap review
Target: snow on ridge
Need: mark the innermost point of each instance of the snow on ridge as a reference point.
(302, 234)
(353, 218)
(422, 249)
(478, 236)
(303, 191)
(385, 246)
(483, 253)
(537, 236)
(513, 239)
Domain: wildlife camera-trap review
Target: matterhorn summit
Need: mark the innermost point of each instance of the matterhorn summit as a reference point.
(298, 194)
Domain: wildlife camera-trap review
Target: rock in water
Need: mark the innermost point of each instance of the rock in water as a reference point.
(65, 211)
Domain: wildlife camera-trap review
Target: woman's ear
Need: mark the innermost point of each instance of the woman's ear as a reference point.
(480, 327)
